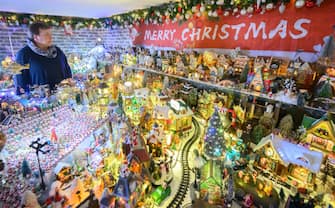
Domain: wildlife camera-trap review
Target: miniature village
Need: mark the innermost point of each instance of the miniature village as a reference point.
(171, 129)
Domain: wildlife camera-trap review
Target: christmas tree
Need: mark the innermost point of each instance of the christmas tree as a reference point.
(214, 141)
(25, 169)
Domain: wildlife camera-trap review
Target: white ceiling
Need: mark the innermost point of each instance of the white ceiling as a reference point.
(77, 8)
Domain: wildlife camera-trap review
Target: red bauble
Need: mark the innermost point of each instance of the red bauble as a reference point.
(180, 9)
(219, 11)
(198, 6)
(310, 3)
(259, 10)
(199, 24)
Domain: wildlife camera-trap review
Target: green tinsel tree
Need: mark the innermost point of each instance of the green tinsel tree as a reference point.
(25, 169)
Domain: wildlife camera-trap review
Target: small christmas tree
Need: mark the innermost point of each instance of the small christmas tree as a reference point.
(282, 194)
(258, 133)
(25, 169)
(286, 125)
(244, 74)
(214, 141)
(325, 89)
(230, 189)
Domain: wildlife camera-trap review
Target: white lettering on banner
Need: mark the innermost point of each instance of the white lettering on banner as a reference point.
(206, 33)
(183, 38)
(147, 35)
(195, 34)
(166, 35)
(297, 26)
(223, 29)
(282, 27)
(245, 31)
(237, 29)
(255, 30)
(154, 34)
(159, 34)
(172, 33)
(215, 32)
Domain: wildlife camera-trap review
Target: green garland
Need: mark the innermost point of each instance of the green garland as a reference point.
(168, 12)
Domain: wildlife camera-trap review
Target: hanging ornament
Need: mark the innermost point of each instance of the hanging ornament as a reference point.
(269, 6)
(299, 3)
(68, 29)
(202, 9)
(282, 8)
(220, 2)
(226, 13)
(258, 4)
(219, 11)
(263, 1)
(319, 2)
(210, 13)
(243, 11)
(235, 10)
(310, 3)
(214, 14)
(190, 25)
(187, 16)
(198, 14)
(180, 9)
(250, 9)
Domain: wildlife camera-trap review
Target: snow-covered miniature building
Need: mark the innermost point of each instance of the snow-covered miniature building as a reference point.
(296, 164)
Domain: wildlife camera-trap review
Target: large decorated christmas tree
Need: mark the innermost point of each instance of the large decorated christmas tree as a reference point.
(214, 140)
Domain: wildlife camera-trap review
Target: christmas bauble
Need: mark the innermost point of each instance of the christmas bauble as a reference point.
(269, 6)
(310, 4)
(243, 11)
(226, 13)
(250, 10)
(282, 8)
(299, 3)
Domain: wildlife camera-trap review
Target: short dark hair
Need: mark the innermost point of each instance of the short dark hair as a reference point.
(34, 29)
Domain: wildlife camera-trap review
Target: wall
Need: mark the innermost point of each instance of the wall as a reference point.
(80, 42)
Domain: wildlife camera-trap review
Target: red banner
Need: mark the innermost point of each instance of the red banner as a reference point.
(294, 29)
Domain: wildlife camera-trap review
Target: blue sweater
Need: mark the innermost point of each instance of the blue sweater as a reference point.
(43, 70)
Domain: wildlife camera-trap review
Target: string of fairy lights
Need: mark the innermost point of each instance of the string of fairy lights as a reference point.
(166, 13)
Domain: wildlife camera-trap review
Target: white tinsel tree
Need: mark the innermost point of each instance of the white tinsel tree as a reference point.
(214, 140)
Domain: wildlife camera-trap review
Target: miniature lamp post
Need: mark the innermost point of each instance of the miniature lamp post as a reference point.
(36, 145)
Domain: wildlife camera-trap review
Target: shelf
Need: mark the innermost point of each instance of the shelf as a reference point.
(276, 98)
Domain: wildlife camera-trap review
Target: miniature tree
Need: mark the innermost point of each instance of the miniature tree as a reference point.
(258, 133)
(325, 89)
(25, 169)
(267, 122)
(286, 125)
(244, 74)
(214, 141)
(230, 189)
(282, 194)
(120, 102)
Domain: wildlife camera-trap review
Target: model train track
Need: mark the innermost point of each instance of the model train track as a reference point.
(185, 180)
